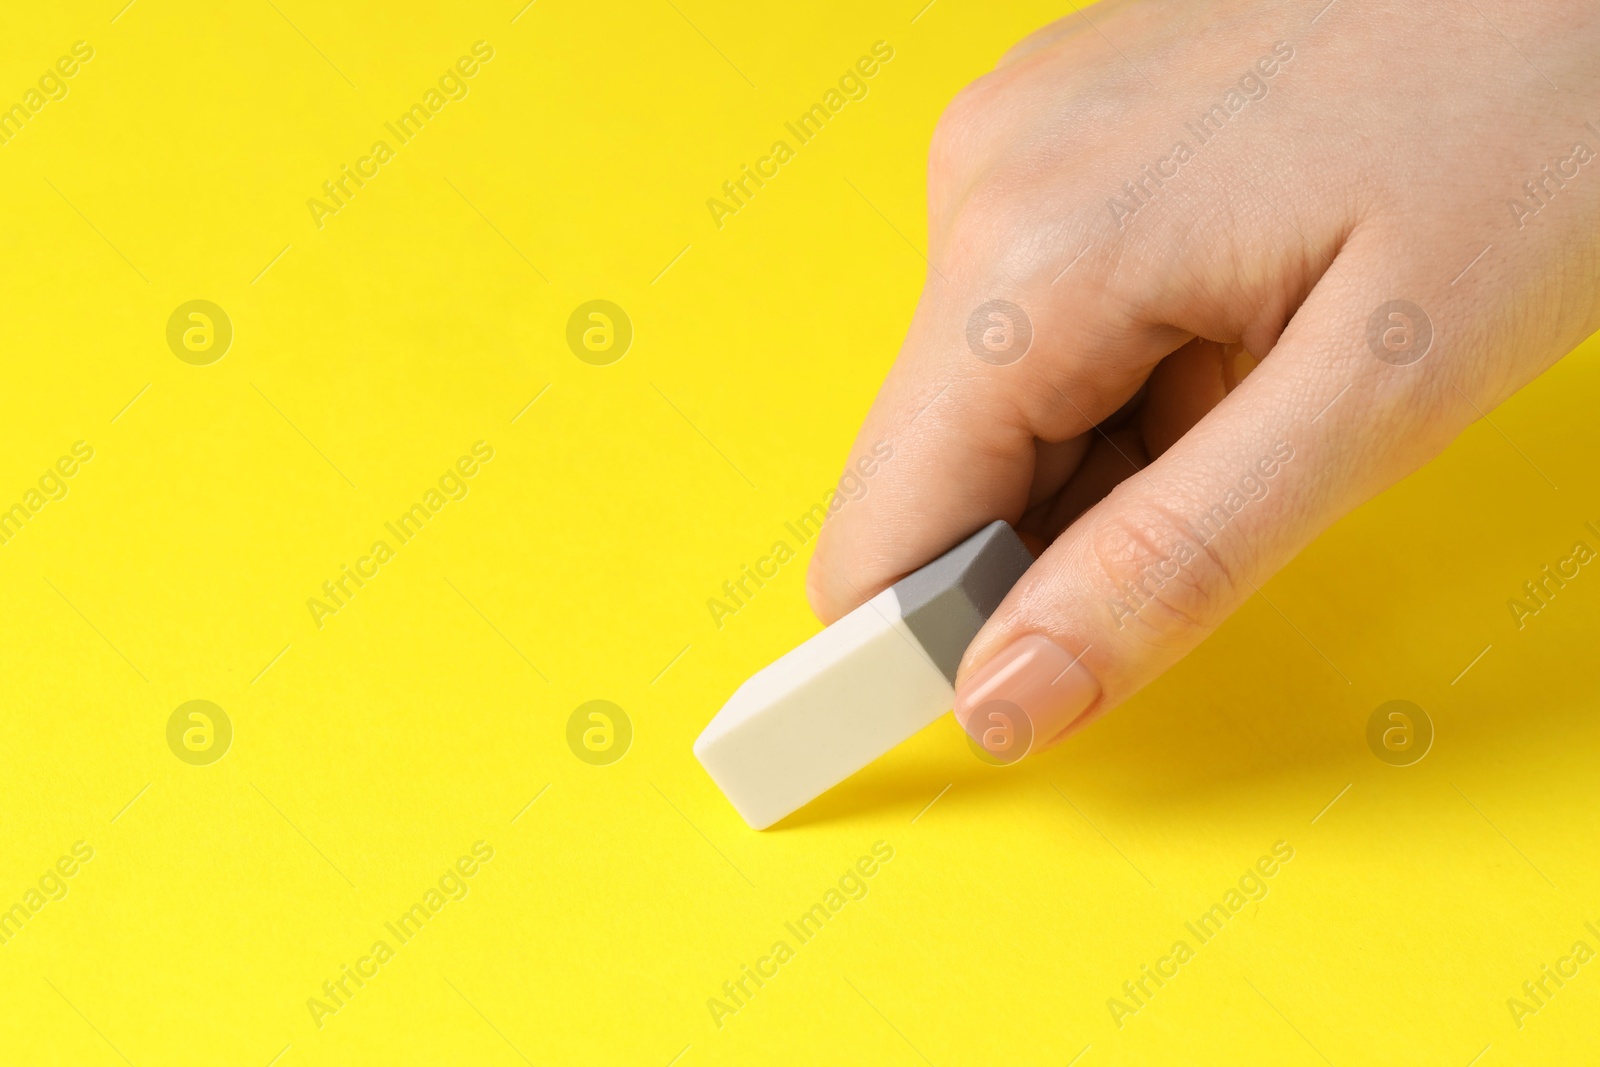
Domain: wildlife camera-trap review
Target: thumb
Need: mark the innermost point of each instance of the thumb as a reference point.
(1143, 577)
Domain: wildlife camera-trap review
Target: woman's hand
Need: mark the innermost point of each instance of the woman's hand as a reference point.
(1387, 215)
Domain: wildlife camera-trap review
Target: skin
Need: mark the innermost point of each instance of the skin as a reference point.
(1378, 163)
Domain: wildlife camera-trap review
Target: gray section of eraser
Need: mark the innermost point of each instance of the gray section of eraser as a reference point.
(947, 602)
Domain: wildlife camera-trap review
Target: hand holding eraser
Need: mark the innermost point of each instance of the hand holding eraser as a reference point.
(860, 687)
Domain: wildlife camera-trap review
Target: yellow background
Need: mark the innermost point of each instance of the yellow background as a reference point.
(426, 714)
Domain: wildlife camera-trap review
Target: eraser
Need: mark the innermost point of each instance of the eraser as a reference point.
(860, 687)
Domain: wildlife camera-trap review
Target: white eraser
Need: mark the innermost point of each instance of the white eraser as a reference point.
(860, 687)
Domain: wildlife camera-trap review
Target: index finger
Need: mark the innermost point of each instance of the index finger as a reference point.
(952, 437)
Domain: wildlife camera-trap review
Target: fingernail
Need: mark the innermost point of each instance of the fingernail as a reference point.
(1033, 687)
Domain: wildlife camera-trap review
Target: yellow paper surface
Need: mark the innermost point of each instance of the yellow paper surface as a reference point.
(375, 746)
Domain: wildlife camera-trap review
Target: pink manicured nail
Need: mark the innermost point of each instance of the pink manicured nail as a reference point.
(1024, 697)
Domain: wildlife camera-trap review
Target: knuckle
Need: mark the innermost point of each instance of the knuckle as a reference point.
(1000, 235)
(968, 112)
(1157, 578)
(969, 138)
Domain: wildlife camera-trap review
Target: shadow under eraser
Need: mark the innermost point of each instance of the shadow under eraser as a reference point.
(860, 687)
